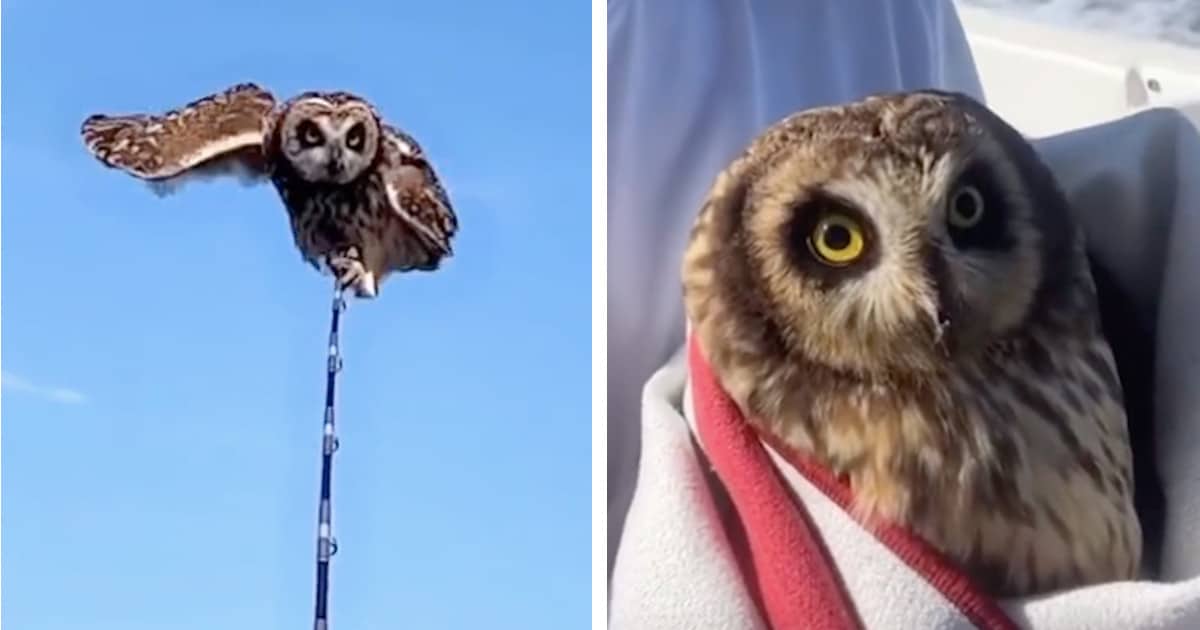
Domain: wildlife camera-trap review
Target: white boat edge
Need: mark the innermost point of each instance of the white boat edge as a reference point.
(1046, 79)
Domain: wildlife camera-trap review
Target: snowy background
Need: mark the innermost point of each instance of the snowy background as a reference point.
(1176, 21)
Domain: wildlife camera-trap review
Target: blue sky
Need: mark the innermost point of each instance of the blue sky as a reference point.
(163, 358)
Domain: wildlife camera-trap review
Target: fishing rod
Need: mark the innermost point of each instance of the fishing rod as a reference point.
(326, 543)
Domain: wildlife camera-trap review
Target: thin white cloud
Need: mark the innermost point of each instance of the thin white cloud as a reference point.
(62, 395)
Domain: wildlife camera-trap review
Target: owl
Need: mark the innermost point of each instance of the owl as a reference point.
(896, 289)
(361, 196)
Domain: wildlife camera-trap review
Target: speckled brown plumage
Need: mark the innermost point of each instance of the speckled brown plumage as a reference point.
(362, 198)
(956, 376)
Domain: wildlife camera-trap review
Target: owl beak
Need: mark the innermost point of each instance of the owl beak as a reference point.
(942, 302)
(335, 162)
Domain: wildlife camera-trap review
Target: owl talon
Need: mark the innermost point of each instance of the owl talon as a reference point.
(363, 284)
(347, 266)
(367, 286)
(346, 270)
(348, 276)
(347, 280)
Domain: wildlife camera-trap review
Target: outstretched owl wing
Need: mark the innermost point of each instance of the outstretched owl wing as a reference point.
(220, 134)
(415, 194)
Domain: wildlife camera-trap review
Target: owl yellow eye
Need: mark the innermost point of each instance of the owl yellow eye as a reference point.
(966, 208)
(837, 240)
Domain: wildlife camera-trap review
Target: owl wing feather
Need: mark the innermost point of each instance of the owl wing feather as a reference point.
(220, 134)
(415, 194)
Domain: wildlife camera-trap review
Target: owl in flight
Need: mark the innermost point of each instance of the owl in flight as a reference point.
(896, 288)
(362, 198)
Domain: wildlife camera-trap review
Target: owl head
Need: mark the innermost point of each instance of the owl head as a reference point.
(330, 138)
(889, 235)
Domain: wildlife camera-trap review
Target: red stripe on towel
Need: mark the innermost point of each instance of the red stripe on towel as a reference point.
(796, 579)
(798, 582)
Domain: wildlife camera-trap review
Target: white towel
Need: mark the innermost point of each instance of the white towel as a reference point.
(762, 549)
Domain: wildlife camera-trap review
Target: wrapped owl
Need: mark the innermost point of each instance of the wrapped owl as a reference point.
(896, 288)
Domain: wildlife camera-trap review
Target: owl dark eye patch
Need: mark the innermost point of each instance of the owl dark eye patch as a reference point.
(310, 135)
(978, 196)
(356, 137)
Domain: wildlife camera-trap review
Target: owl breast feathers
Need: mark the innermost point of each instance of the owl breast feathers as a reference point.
(896, 287)
(362, 199)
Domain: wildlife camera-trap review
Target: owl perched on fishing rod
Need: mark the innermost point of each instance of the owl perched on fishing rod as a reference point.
(896, 288)
(362, 198)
